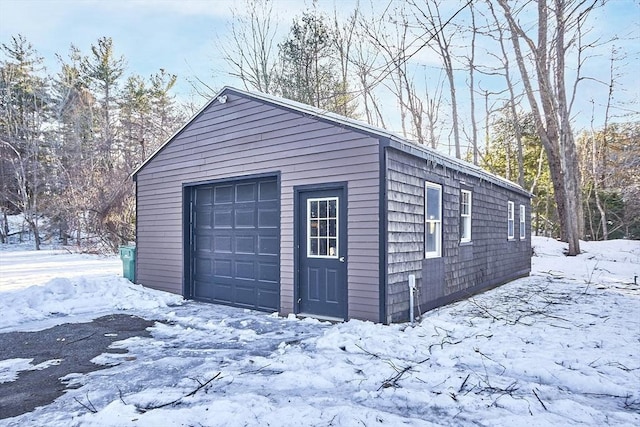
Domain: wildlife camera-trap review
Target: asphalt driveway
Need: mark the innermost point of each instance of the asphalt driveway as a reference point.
(69, 348)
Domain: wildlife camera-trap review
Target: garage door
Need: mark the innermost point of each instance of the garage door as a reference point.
(235, 244)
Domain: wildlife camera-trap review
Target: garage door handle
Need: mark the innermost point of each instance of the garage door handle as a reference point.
(341, 259)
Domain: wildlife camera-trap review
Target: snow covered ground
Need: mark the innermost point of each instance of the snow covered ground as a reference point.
(21, 267)
(561, 347)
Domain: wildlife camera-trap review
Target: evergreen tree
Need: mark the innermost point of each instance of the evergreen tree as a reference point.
(309, 71)
(500, 159)
(75, 158)
(610, 162)
(24, 140)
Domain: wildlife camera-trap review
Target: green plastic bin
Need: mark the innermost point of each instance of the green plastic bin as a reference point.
(128, 257)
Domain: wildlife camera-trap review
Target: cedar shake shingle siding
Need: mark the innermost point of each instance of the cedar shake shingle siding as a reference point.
(259, 137)
(488, 260)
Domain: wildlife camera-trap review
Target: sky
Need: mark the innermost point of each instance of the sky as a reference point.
(184, 37)
(180, 36)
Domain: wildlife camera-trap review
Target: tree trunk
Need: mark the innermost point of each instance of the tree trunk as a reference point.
(552, 117)
(596, 195)
(474, 126)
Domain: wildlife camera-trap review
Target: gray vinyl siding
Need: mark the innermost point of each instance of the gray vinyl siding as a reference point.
(245, 137)
(488, 260)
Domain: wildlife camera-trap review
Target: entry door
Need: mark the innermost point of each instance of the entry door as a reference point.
(322, 228)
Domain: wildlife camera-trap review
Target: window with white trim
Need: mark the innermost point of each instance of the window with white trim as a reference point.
(433, 220)
(510, 220)
(465, 216)
(523, 233)
(322, 229)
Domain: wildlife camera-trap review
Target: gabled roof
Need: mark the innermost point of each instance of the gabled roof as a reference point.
(395, 141)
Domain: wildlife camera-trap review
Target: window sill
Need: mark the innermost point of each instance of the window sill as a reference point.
(466, 243)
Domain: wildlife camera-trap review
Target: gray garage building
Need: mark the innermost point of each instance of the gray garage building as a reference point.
(269, 204)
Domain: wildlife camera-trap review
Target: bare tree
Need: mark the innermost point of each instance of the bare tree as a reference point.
(429, 17)
(549, 99)
(252, 52)
(394, 41)
(432, 102)
(343, 39)
(595, 158)
(471, 65)
(513, 99)
(363, 60)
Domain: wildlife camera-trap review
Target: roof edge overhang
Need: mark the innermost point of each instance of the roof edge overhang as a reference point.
(457, 164)
(395, 141)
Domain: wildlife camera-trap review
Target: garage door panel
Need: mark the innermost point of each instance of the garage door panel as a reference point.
(222, 292)
(222, 218)
(245, 192)
(245, 270)
(245, 217)
(268, 191)
(223, 194)
(202, 290)
(203, 266)
(202, 242)
(245, 244)
(268, 272)
(235, 248)
(204, 196)
(222, 244)
(268, 218)
(203, 217)
(268, 245)
(245, 296)
(222, 268)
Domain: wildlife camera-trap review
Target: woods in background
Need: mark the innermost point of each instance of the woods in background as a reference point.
(69, 141)
(522, 60)
(493, 82)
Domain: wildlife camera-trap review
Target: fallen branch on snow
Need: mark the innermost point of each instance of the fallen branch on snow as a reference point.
(90, 407)
(176, 401)
(539, 400)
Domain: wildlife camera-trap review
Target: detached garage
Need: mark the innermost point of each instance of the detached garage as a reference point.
(265, 203)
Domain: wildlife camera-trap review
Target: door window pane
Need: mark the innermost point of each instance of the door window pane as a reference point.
(333, 208)
(323, 209)
(323, 247)
(333, 247)
(322, 228)
(332, 227)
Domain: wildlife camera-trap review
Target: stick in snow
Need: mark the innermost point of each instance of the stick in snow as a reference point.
(538, 397)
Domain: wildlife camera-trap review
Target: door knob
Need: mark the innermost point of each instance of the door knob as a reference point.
(341, 259)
